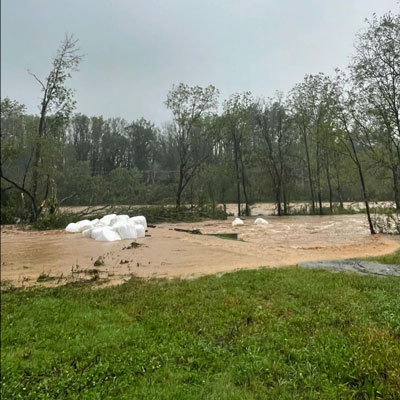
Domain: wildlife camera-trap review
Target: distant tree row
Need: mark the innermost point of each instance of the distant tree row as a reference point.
(330, 139)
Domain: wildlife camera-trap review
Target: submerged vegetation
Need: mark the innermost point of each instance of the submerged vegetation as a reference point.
(264, 334)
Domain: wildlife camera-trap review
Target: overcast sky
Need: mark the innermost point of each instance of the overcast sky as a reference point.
(136, 50)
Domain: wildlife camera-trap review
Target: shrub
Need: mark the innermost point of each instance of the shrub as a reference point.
(54, 221)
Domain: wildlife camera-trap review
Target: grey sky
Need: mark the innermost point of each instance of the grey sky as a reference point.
(136, 50)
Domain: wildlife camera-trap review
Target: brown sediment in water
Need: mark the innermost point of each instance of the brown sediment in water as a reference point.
(61, 257)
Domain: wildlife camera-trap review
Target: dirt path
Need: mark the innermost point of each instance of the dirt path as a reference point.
(60, 257)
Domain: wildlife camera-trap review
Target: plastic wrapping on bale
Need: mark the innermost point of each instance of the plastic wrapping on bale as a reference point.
(139, 220)
(119, 218)
(72, 227)
(114, 221)
(84, 222)
(128, 231)
(140, 230)
(99, 224)
(117, 225)
(87, 233)
(106, 220)
(237, 222)
(111, 227)
(96, 231)
(83, 225)
(260, 221)
(108, 235)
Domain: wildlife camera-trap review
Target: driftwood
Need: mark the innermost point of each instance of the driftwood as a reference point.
(231, 236)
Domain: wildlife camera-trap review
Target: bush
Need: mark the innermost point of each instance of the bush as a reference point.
(13, 209)
(54, 221)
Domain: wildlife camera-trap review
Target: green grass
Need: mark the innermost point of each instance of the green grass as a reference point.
(393, 258)
(287, 333)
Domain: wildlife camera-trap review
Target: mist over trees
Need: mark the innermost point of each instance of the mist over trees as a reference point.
(329, 139)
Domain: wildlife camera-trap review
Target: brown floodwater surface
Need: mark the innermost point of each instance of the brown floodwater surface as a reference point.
(61, 257)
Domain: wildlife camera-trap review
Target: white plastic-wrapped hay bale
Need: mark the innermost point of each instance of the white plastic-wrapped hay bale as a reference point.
(96, 231)
(127, 231)
(140, 230)
(117, 225)
(106, 220)
(260, 221)
(111, 227)
(72, 227)
(107, 235)
(139, 220)
(87, 232)
(83, 225)
(79, 226)
(119, 218)
(237, 222)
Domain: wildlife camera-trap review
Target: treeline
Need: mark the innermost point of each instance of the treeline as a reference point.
(330, 139)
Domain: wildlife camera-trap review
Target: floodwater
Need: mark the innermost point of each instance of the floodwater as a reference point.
(62, 257)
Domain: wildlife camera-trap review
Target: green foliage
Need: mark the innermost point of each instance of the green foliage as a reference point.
(266, 334)
(58, 220)
(192, 108)
(124, 185)
(77, 183)
(13, 207)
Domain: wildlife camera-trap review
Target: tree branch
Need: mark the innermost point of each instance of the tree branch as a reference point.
(40, 82)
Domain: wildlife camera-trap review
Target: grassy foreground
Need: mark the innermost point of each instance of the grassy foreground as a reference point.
(265, 334)
(392, 258)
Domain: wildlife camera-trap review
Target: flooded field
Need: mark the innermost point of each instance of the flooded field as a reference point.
(56, 257)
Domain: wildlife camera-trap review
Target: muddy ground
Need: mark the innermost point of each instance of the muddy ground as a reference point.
(56, 257)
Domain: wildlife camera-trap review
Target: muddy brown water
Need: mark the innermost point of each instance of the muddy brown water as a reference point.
(62, 257)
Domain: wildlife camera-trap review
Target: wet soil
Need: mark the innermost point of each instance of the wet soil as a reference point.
(56, 257)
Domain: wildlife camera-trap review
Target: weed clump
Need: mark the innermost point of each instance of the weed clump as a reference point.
(43, 277)
(133, 245)
(99, 262)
